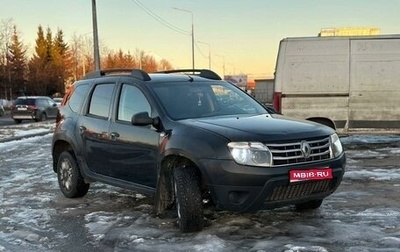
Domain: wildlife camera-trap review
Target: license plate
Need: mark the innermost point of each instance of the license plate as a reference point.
(311, 174)
(21, 108)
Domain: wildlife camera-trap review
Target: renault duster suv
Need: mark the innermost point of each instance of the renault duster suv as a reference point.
(186, 137)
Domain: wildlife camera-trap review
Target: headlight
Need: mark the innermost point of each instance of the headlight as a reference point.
(336, 145)
(250, 153)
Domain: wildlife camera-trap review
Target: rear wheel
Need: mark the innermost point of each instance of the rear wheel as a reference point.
(309, 205)
(70, 180)
(189, 202)
(42, 117)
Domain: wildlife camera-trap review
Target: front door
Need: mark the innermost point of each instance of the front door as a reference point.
(134, 148)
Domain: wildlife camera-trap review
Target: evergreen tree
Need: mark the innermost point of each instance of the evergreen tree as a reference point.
(18, 64)
(37, 66)
(61, 61)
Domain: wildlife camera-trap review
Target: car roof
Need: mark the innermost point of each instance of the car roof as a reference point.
(163, 76)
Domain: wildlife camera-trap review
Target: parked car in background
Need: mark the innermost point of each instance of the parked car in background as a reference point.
(38, 108)
(58, 101)
(1, 110)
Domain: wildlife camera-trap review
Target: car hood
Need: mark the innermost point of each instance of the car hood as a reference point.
(264, 127)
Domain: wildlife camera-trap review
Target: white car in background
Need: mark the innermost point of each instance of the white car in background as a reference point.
(1, 110)
(58, 101)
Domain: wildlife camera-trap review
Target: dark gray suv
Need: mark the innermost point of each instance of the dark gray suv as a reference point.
(189, 139)
(38, 108)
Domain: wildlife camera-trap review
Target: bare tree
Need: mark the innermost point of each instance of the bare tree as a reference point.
(6, 31)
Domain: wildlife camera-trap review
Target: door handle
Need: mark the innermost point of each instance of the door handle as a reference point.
(82, 129)
(114, 135)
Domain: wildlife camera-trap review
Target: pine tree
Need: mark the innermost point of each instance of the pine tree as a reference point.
(37, 66)
(62, 61)
(18, 64)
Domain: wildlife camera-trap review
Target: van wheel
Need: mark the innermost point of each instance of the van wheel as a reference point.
(309, 205)
(189, 204)
(17, 121)
(70, 180)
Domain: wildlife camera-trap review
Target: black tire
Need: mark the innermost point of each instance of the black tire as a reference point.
(189, 203)
(17, 121)
(43, 117)
(70, 180)
(309, 205)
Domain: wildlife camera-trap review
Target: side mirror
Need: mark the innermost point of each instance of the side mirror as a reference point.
(142, 119)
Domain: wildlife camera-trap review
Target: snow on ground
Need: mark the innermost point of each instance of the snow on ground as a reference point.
(34, 216)
(19, 130)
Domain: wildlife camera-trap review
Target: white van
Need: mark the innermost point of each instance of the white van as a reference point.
(349, 83)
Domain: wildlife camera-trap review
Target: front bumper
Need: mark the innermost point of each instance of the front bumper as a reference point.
(243, 188)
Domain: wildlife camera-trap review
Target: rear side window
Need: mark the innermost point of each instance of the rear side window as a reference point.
(100, 102)
(42, 103)
(75, 96)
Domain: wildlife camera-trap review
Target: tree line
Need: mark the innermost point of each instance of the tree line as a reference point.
(55, 64)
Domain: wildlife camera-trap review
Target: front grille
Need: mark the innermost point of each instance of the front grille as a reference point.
(293, 191)
(291, 153)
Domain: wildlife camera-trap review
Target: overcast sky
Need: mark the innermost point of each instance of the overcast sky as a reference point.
(243, 34)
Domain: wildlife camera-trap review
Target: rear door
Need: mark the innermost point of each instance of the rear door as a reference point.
(94, 126)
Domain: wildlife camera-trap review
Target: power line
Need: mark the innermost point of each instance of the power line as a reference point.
(199, 50)
(159, 19)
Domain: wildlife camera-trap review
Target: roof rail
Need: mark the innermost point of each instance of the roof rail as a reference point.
(205, 73)
(136, 73)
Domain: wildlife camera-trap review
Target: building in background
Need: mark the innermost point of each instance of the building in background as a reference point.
(238, 80)
(349, 31)
(264, 90)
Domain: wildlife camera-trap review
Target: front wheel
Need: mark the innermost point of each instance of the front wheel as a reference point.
(309, 205)
(69, 177)
(189, 202)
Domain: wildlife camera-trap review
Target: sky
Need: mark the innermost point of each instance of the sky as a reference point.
(243, 36)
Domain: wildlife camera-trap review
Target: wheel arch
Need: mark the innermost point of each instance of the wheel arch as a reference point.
(58, 147)
(164, 191)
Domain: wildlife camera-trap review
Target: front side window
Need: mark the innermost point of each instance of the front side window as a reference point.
(132, 101)
(101, 100)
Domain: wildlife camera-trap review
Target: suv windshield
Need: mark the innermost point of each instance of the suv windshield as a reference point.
(205, 99)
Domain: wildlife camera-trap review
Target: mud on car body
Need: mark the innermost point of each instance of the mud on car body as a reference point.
(186, 137)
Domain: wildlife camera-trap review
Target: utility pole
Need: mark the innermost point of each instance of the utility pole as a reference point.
(192, 33)
(95, 37)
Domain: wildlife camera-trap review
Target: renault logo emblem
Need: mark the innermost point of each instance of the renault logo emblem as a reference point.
(305, 149)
